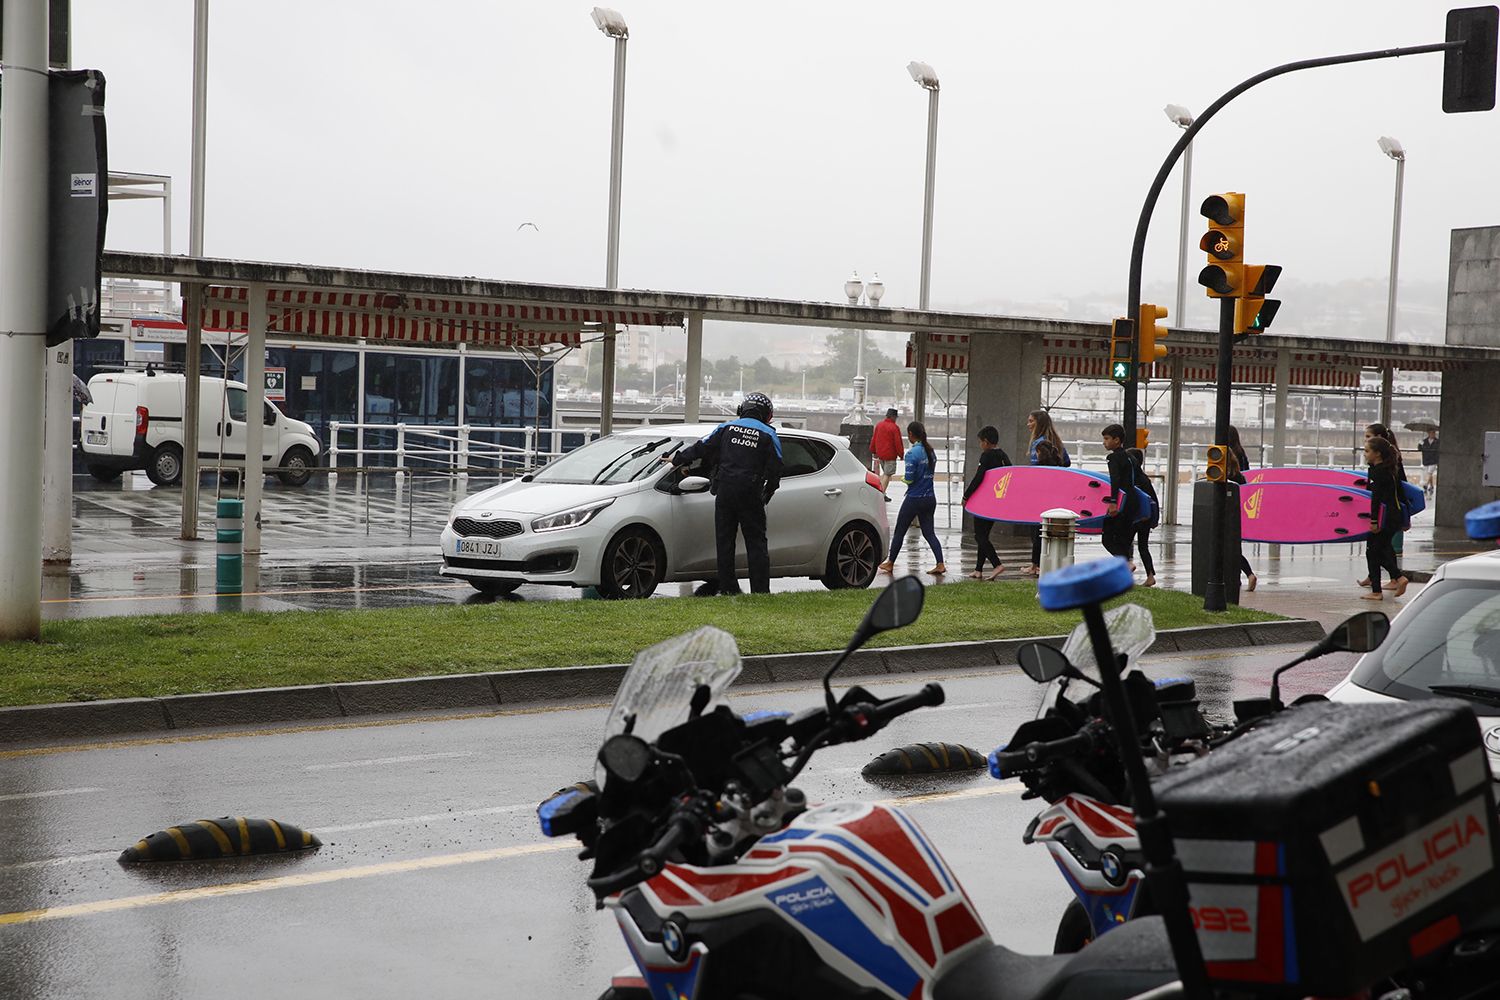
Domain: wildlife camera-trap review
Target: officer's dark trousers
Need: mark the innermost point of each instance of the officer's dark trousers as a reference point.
(747, 515)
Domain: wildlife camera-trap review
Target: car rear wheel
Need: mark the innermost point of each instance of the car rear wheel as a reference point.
(165, 467)
(634, 564)
(852, 559)
(103, 474)
(495, 588)
(298, 463)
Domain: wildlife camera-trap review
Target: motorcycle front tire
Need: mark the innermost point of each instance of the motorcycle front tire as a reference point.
(1074, 930)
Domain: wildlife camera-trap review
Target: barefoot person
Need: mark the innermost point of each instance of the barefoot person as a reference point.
(1046, 449)
(1143, 529)
(1385, 510)
(921, 500)
(991, 456)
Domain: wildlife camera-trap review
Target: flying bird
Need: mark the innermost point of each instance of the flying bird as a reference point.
(523, 225)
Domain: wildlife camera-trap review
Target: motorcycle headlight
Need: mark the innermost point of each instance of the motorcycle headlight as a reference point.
(570, 518)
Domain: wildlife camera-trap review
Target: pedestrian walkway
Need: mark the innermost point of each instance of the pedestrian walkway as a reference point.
(371, 541)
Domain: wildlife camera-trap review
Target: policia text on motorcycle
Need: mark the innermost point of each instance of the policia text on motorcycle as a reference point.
(745, 454)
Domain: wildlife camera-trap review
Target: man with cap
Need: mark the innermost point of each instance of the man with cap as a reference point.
(887, 444)
(746, 458)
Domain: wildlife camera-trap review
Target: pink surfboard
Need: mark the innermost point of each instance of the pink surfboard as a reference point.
(1020, 494)
(1303, 513)
(1415, 500)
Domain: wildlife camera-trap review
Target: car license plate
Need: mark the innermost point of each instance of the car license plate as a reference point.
(478, 547)
(96, 437)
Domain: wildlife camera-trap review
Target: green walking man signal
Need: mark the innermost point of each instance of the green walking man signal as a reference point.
(1122, 350)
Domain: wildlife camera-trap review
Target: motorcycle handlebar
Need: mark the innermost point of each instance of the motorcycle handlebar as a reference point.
(649, 862)
(930, 696)
(1035, 755)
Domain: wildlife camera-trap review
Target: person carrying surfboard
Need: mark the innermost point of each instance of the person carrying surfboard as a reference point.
(1046, 449)
(1121, 506)
(1143, 529)
(1385, 511)
(991, 456)
(1398, 541)
(920, 503)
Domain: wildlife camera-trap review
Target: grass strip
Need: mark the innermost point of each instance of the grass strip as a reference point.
(157, 655)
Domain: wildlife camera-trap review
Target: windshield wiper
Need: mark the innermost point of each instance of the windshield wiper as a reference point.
(1473, 692)
(644, 449)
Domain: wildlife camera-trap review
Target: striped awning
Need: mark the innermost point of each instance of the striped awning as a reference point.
(417, 320)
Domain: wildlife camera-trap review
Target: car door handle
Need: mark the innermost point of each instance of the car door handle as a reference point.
(835, 492)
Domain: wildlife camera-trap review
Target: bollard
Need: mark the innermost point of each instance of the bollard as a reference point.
(1059, 527)
(231, 545)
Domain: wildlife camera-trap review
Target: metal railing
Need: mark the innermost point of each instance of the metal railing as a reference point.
(463, 448)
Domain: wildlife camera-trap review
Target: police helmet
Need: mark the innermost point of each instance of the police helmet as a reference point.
(756, 405)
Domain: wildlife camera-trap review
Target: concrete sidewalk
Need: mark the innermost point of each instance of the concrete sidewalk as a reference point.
(353, 544)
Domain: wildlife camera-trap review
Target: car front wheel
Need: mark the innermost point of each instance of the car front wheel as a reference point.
(634, 564)
(852, 559)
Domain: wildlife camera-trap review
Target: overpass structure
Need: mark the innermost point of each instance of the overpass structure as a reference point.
(1004, 356)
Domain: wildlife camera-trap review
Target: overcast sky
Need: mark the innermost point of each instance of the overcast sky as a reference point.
(770, 147)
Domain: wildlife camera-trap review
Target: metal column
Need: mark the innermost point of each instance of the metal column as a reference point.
(612, 259)
(57, 435)
(255, 426)
(23, 313)
(690, 389)
(193, 352)
(1283, 390)
(1174, 444)
(919, 400)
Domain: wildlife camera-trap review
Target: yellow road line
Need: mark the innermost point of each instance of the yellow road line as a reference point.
(386, 868)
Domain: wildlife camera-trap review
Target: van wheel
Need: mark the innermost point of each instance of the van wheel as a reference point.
(852, 559)
(298, 462)
(104, 475)
(165, 467)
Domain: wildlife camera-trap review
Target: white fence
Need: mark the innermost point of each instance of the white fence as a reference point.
(466, 448)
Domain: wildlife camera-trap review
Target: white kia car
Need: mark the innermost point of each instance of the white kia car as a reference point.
(612, 515)
(1445, 643)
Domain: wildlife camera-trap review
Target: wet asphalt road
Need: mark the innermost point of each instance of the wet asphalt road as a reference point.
(433, 880)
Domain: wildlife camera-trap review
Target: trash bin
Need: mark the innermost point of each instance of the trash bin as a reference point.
(1059, 530)
(1205, 495)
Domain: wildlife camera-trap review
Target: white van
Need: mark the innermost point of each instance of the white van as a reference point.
(135, 422)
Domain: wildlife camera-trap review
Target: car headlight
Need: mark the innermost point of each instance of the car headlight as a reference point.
(570, 518)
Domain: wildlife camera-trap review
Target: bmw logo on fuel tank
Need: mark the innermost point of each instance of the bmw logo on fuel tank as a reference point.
(673, 940)
(1111, 867)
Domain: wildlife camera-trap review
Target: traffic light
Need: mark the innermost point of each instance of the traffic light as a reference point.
(1218, 464)
(1254, 312)
(1225, 245)
(1469, 72)
(1150, 350)
(1122, 350)
(1142, 438)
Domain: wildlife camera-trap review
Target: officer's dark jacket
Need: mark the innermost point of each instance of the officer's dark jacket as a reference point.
(746, 455)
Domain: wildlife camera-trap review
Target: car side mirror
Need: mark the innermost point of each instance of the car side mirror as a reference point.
(692, 484)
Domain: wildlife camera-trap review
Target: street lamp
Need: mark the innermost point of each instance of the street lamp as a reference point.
(926, 78)
(870, 292)
(1183, 119)
(613, 25)
(1392, 148)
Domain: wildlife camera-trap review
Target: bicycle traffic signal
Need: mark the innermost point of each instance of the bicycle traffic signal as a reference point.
(1217, 470)
(1254, 312)
(1122, 350)
(1151, 333)
(1225, 245)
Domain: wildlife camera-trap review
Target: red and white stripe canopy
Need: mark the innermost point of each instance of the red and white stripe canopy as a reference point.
(413, 319)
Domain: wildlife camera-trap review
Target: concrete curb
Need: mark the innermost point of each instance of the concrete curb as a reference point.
(456, 692)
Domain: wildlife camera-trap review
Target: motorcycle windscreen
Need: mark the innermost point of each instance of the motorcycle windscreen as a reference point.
(1131, 631)
(658, 688)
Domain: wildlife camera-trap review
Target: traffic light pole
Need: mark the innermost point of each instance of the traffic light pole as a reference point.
(1143, 224)
(1213, 593)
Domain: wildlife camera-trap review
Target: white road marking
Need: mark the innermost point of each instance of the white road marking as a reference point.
(427, 818)
(377, 761)
(70, 859)
(48, 794)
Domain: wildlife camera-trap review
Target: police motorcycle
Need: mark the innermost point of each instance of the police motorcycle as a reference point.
(726, 882)
(1066, 756)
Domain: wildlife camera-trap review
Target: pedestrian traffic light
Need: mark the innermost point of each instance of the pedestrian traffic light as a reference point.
(1469, 72)
(1253, 312)
(1150, 350)
(1218, 464)
(1224, 244)
(1142, 438)
(1122, 350)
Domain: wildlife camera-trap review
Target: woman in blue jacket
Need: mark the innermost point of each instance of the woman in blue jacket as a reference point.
(921, 500)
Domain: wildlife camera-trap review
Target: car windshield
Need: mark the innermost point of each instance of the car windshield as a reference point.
(622, 458)
(1448, 638)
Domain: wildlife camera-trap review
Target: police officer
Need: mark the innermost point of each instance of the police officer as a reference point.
(746, 454)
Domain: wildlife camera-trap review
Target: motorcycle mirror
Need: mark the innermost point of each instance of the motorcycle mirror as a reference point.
(1359, 634)
(898, 605)
(625, 757)
(1041, 662)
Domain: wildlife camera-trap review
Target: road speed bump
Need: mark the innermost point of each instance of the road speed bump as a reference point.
(225, 837)
(925, 758)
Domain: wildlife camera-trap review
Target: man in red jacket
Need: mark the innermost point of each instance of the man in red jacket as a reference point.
(885, 445)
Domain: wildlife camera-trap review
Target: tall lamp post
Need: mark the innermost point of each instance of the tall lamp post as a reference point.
(1183, 119)
(1392, 148)
(926, 78)
(612, 24)
(858, 292)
